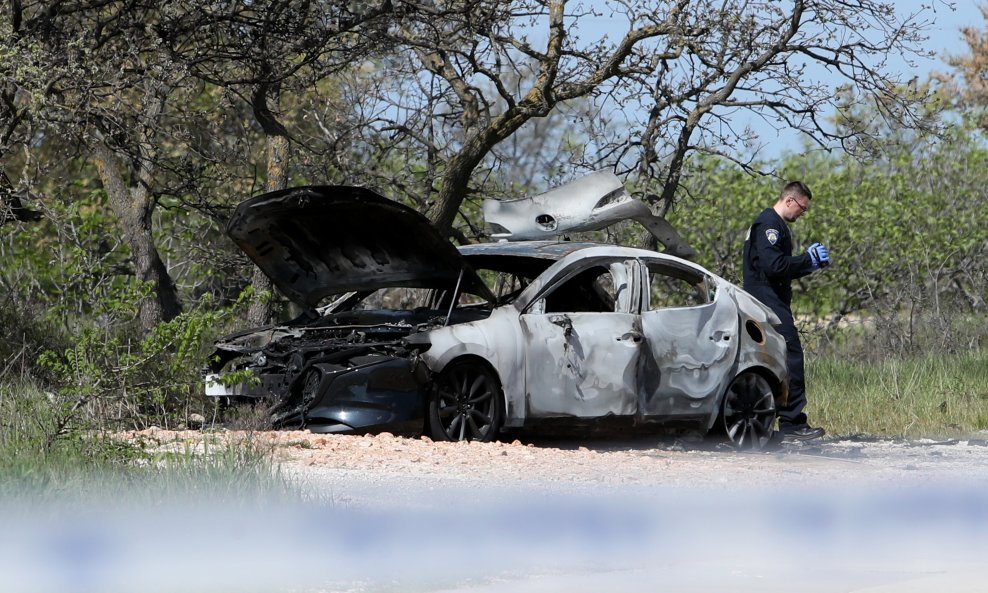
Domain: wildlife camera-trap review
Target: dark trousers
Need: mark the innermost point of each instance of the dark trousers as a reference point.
(791, 415)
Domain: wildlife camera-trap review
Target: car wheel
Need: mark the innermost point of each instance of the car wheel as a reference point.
(310, 385)
(466, 403)
(748, 412)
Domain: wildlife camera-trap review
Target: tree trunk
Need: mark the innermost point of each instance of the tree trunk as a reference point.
(133, 206)
(455, 182)
(456, 178)
(261, 311)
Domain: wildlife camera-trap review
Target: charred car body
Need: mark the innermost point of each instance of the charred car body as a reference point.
(501, 335)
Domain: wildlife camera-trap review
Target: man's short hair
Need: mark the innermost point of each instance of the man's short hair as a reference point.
(796, 189)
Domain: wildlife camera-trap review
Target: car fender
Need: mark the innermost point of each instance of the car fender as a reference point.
(763, 350)
(497, 340)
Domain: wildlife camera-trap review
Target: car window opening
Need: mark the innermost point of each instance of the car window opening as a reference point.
(590, 291)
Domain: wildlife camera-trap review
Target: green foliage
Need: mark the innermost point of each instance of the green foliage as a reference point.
(37, 448)
(139, 382)
(69, 263)
(714, 215)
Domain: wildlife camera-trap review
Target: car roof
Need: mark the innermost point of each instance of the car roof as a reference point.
(523, 258)
(538, 249)
(531, 258)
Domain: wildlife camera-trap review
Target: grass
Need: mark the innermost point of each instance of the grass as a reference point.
(933, 395)
(45, 459)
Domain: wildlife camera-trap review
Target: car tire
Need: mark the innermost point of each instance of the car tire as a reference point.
(309, 385)
(466, 403)
(747, 412)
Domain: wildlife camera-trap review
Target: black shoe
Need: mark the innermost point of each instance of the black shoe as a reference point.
(803, 433)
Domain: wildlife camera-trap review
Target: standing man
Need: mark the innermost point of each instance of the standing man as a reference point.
(769, 269)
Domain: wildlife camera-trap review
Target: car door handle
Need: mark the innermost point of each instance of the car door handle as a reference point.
(563, 322)
(632, 336)
(560, 320)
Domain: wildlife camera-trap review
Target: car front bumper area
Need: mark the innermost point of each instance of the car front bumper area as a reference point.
(380, 394)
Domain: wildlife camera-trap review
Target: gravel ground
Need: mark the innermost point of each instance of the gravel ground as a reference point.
(320, 461)
(649, 462)
(840, 515)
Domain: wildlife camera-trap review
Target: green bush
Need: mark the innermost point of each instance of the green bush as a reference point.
(908, 236)
(123, 381)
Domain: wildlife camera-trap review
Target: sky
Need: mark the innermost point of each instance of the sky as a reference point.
(945, 35)
(944, 38)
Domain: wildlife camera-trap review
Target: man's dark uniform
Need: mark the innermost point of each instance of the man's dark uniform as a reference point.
(769, 269)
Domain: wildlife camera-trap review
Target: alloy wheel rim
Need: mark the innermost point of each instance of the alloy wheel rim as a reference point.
(465, 405)
(749, 412)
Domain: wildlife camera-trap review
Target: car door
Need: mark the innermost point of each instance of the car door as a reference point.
(584, 341)
(692, 338)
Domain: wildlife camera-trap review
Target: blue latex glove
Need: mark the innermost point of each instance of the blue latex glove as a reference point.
(819, 256)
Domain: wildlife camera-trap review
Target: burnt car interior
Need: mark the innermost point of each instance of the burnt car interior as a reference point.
(507, 276)
(671, 287)
(410, 306)
(590, 291)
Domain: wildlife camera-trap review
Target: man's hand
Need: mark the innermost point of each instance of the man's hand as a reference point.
(818, 256)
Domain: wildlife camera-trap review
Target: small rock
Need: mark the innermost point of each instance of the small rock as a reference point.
(196, 421)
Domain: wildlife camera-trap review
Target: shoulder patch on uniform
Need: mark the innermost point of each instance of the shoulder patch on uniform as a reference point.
(772, 235)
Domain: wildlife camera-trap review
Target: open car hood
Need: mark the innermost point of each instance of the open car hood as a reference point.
(317, 241)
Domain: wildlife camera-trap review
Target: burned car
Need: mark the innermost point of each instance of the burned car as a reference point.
(466, 342)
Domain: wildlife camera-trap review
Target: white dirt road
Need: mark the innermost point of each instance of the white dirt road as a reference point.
(335, 461)
(842, 515)
(392, 513)
(384, 513)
